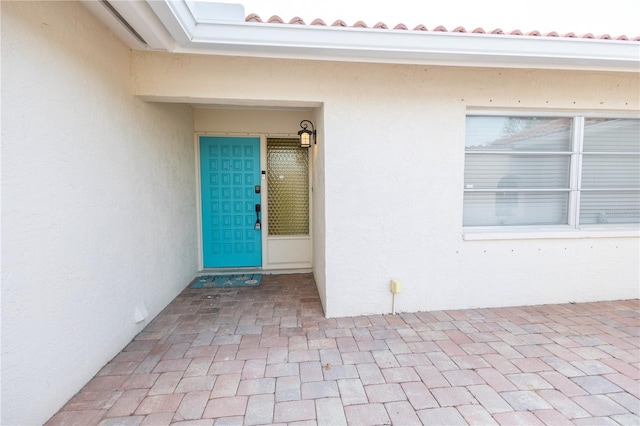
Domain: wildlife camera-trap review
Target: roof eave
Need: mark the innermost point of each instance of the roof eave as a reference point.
(204, 30)
(406, 47)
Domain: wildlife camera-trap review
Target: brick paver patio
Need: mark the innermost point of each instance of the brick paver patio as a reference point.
(267, 355)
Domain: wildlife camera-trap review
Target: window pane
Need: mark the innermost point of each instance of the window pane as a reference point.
(518, 134)
(610, 207)
(515, 208)
(288, 180)
(601, 135)
(610, 171)
(489, 171)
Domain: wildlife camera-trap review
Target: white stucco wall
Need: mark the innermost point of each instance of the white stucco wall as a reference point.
(319, 208)
(240, 121)
(392, 177)
(98, 199)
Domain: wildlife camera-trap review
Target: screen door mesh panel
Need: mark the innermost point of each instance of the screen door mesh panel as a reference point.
(288, 181)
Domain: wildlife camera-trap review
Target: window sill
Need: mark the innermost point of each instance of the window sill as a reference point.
(531, 233)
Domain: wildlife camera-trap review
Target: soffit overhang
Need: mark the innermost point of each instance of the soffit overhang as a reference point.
(181, 26)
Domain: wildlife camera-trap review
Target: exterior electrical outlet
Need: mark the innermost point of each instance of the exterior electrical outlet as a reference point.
(396, 287)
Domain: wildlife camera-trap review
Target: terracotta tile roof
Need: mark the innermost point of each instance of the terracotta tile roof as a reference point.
(381, 25)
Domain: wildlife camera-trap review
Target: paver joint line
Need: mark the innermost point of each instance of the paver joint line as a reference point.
(267, 354)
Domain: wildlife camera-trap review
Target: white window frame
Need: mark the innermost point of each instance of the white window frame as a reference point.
(572, 229)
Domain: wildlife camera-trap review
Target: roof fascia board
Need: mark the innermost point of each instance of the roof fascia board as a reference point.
(154, 32)
(101, 12)
(177, 18)
(141, 17)
(434, 60)
(406, 46)
(204, 12)
(196, 29)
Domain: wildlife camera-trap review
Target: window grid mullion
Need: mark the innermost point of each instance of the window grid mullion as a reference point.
(576, 171)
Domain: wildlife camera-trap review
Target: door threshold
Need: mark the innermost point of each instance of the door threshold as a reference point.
(253, 270)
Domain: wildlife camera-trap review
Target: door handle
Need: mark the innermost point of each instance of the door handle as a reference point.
(258, 225)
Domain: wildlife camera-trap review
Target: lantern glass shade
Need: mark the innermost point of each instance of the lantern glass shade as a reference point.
(305, 138)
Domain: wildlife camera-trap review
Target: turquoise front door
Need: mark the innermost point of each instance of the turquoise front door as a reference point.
(230, 180)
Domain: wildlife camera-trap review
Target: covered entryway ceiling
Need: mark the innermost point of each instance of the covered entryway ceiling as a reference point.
(183, 26)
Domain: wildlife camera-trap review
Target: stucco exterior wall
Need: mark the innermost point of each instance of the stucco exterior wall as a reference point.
(318, 181)
(393, 167)
(97, 205)
(251, 121)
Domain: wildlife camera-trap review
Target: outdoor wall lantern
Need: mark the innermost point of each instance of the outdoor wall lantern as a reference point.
(306, 135)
